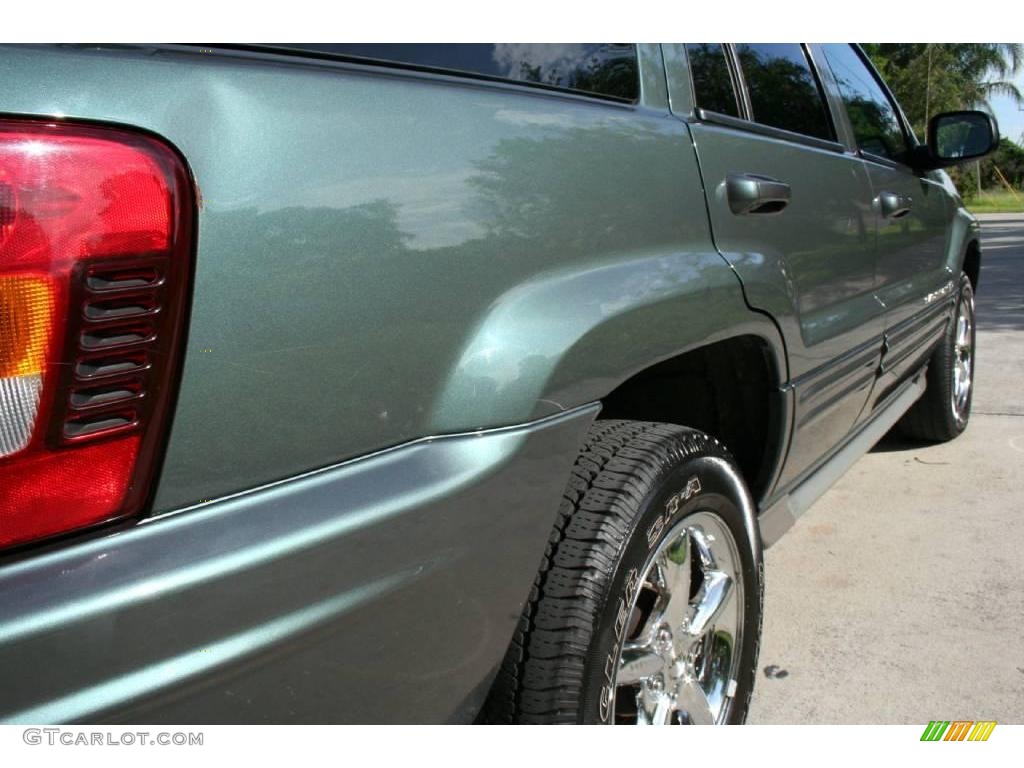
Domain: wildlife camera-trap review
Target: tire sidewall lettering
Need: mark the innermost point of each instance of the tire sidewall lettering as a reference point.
(664, 520)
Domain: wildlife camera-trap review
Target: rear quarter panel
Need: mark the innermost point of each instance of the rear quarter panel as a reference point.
(386, 255)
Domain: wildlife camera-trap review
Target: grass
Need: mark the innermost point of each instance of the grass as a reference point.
(996, 201)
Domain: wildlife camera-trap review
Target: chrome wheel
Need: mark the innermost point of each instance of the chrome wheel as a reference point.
(678, 662)
(963, 355)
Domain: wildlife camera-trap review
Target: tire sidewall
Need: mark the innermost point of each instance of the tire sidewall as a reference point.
(697, 484)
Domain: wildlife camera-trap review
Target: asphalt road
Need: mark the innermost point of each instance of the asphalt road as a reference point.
(899, 597)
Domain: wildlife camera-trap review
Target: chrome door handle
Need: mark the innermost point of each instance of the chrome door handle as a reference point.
(750, 193)
(893, 206)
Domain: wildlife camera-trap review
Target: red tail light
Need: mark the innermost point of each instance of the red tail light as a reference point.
(95, 251)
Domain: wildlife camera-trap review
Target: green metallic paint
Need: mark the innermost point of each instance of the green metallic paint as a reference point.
(811, 267)
(384, 590)
(385, 255)
(653, 88)
(677, 73)
(832, 273)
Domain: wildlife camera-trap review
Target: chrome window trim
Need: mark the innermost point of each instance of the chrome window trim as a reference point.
(741, 124)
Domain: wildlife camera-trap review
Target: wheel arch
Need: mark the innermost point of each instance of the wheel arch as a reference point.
(972, 262)
(729, 389)
(569, 338)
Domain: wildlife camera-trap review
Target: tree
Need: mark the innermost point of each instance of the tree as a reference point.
(928, 78)
(1009, 159)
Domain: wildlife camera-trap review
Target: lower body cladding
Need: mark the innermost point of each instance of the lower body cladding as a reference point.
(385, 589)
(779, 514)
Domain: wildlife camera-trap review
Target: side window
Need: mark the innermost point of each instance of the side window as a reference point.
(602, 69)
(872, 115)
(784, 92)
(712, 82)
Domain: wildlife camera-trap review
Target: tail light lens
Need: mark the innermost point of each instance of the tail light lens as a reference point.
(95, 252)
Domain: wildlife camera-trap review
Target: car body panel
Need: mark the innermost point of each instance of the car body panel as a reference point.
(811, 267)
(847, 288)
(912, 250)
(401, 207)
(381, 590)
(914, 273)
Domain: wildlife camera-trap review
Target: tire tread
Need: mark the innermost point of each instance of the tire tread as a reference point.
(541, 676)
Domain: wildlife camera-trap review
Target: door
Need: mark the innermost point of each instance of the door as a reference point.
(911, 218)
(791, 210)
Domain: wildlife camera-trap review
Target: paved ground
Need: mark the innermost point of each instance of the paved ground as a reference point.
(899, 597)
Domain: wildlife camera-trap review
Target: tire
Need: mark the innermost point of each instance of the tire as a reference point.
(648, 505)
(942, 412)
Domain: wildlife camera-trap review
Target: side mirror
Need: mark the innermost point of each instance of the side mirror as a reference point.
(956, 137)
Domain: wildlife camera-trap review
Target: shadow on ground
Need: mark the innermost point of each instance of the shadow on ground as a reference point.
(894, 442)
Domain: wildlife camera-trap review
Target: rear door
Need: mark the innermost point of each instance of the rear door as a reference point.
(911, 214)
(791, 210)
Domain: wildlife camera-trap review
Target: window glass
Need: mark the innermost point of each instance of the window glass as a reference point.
(784, 92)
(874, 121)
(605, 69)
(712, 83)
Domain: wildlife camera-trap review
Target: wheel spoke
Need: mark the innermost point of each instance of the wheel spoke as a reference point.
(714, 592)
(638, 664)
(644, 636)
(963, 326)
(711, 599)
(663, 711)
(669, 580)
(652, 707)
(675, 565)
(693, 703)
(727, 618)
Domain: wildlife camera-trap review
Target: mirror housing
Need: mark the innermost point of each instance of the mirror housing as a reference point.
(957, 137)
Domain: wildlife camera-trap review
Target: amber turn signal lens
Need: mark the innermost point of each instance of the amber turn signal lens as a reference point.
(26, 319)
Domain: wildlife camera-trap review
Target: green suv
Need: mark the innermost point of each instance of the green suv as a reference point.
(446, 383)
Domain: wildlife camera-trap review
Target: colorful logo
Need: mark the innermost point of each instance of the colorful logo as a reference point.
(958, 730)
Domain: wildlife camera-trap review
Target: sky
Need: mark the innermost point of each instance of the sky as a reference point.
(1009, 115)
